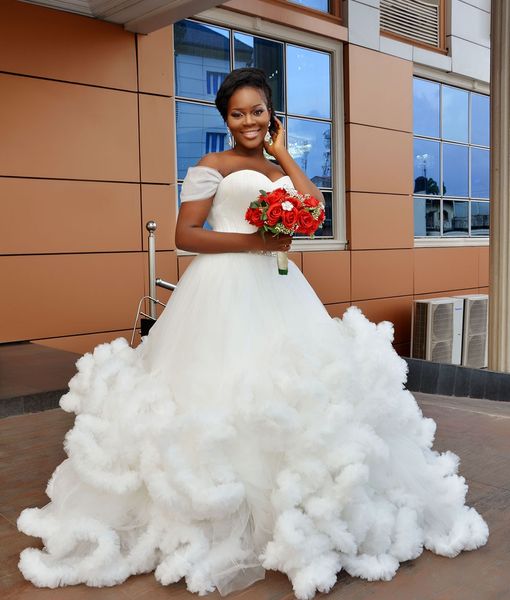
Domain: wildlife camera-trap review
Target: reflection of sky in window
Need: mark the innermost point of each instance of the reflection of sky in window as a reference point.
(480, 119)
(426, 108)
(193, 123)
(480, 217)
(426, 164)
(252, 51)
(427, 217)
(322, 5)
(308, 82)
(455, 170)
(309, 145)
(455, 114)
(480, 173)
(199, 49)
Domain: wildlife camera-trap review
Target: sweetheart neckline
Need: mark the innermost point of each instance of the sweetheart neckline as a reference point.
(254, 171)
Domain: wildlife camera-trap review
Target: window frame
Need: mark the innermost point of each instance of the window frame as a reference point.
(259, 27)
(470, 85)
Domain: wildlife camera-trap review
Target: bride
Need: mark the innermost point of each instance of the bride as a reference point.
(249, 430)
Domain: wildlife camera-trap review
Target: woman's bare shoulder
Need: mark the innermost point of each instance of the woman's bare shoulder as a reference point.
(221, 161)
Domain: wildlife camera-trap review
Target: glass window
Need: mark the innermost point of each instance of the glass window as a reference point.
(309, 144)
(253, 51)
(480, 173)
(480, 120)
(426, 107)
(202, 59)
(322, 5)
(455, 170)
(427, 217)
(426, 167)
(308, 82)
(455, 114)
(455, 218)
(451, 160)
(480, 218)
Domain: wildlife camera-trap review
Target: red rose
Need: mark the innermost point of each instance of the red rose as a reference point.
(313, 202)
(307, 223)
(274, 213)
(276, 196)
(289, 217)
(254, 217)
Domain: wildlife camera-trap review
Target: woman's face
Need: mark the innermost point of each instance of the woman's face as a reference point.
(248, 116)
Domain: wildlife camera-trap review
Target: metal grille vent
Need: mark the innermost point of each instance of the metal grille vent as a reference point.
(442, 333)
(414, 19)
(420, 331)
(476, 338)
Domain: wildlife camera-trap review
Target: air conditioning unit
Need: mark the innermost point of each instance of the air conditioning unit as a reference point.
(437, 330)
(474, 335)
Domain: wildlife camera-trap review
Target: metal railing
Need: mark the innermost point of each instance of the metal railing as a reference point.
(154, 282)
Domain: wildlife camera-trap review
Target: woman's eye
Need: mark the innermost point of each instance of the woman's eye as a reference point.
(258, 112)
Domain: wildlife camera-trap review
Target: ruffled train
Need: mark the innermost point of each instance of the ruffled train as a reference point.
(249, 431)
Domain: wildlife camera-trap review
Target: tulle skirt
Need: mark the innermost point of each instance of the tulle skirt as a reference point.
(248, 431)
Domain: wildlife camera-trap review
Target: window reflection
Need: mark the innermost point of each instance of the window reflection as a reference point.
(426, 107)
(455, 170)
(252, 51)
(202, 59)
(455, 114)
(426, 167)
(322, 5)
(480, 214)
(480, 120)
(427, 217)
(480, 173)
(308, 82)
(199, 130)
(309, 143)
(455, 218)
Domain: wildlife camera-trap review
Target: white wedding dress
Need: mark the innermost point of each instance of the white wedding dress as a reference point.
(248, 431)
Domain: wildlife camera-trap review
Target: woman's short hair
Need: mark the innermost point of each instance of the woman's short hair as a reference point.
(239, 78)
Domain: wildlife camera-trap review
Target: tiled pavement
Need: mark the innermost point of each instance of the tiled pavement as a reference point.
(477, 430)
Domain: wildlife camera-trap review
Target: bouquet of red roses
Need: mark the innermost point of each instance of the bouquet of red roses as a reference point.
(284, 210)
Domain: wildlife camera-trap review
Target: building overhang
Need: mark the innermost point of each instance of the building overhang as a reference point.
(139, 16)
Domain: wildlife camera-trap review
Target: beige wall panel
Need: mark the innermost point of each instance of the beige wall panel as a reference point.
(483, 266)
(84, 343)
(183, 263)
(379, 90)
(288, 15)
(66, 294)
(62, 130)
(157, 149)
(381, 274)
(329, 274)
(337, 310)
(166, 268)
(39, 41)
(42, 216)
(380, 160)
(155, 62)
(397, 310)
(441, 269)
(158, 204)
(378, 221)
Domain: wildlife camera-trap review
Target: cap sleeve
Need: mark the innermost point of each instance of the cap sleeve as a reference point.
(200, 183)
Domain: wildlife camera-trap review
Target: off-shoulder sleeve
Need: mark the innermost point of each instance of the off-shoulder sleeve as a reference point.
(200, 183)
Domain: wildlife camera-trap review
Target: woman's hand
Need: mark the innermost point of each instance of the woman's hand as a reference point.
(278, 137)
(270, 243)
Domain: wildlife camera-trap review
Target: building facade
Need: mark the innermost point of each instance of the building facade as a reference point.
(387, 112)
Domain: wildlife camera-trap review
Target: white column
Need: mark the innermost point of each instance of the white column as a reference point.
(499, 283)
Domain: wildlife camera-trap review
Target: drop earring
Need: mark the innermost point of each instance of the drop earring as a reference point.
(267, 138)
(230, 138)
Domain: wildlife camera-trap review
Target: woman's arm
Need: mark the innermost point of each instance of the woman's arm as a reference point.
(289, 165)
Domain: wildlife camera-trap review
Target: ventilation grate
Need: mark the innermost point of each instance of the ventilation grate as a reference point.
(414, 19)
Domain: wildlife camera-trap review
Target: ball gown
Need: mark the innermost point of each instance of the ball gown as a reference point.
(248, 431)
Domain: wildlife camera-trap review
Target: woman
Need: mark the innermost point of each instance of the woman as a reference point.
(249, 430)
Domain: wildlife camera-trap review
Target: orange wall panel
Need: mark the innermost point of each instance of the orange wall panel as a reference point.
(155, 62)
(166, 268)
(64, 294)
(86, 343)
(441, 269)
(159, 204)
(397, 310)
(183, 263)
(157, 146)
(50, 216)
(337, 310)
(380, 160)
(379, 221)
(42, 42)
(62, 130)
(381, 273)
(329, 274)
(379, 89)
(483, 266)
